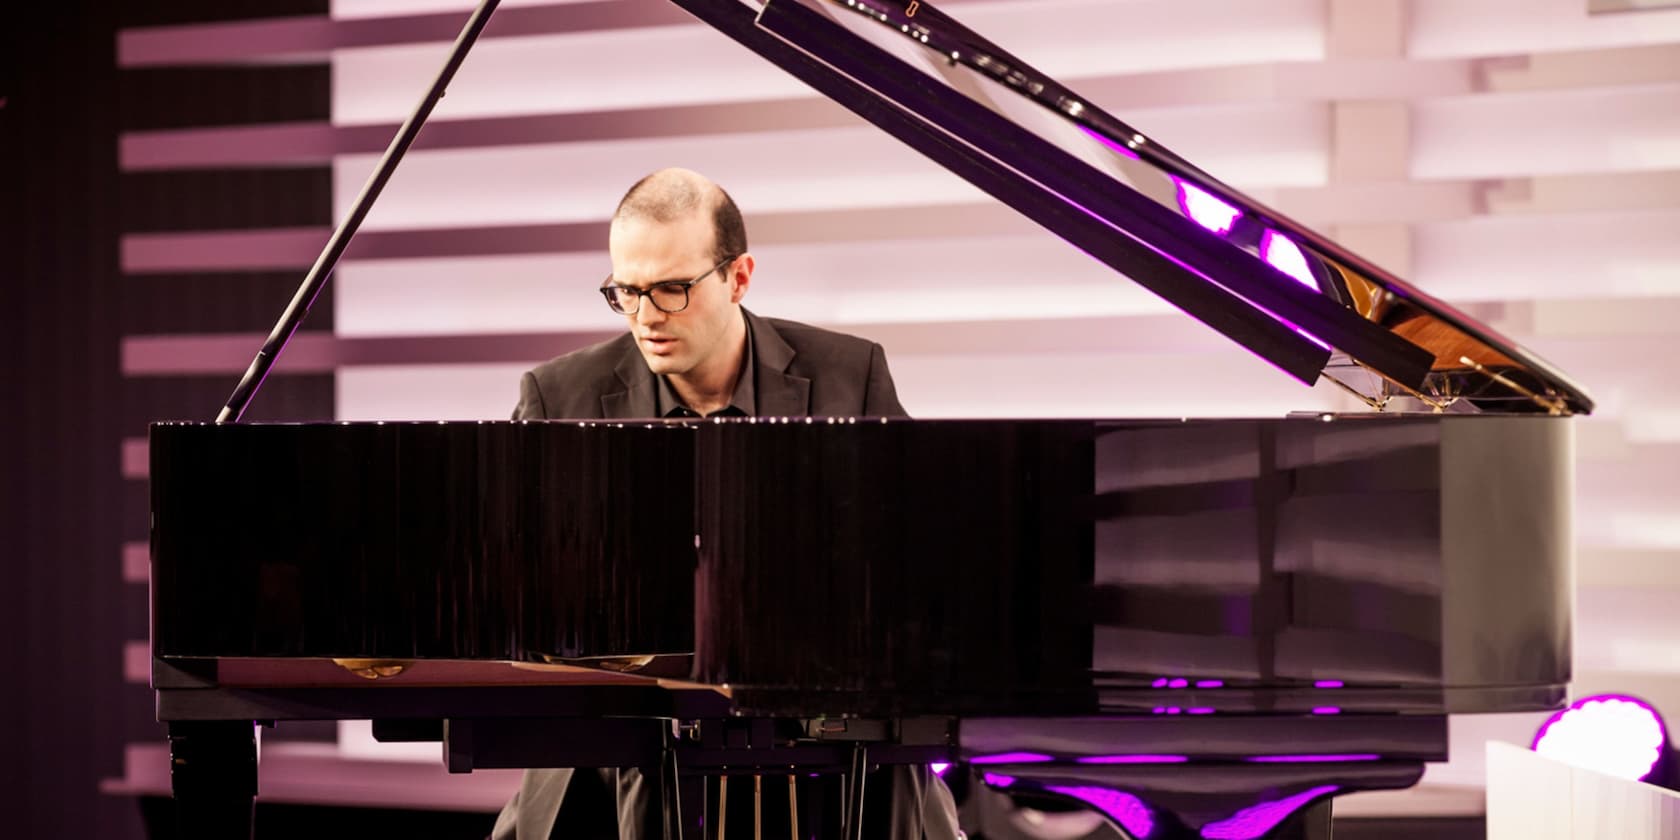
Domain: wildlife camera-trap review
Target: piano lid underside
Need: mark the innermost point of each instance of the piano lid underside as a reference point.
(1291, 296)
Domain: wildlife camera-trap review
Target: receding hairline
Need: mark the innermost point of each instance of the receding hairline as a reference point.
(669, 195)
(674, 195)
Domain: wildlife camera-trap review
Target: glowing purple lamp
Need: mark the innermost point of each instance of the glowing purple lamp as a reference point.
(1611, 733)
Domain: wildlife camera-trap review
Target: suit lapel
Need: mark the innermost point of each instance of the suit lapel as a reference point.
(636, 400)
(779, 393)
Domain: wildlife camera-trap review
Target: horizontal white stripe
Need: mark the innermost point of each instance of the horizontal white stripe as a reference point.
(1548, 132)
(1442, 28)
(1256, 146)
(351, 9)
(834, 283)
(930, 385)
(1562, 256)
(636, 68)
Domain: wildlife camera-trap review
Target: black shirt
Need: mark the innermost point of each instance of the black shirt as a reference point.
(743, 403)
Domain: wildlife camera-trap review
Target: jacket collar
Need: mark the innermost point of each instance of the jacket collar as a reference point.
(779, 393)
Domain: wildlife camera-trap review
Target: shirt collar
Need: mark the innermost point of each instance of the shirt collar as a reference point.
(743, 403)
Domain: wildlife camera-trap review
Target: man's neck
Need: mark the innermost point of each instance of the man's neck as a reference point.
(711, 386)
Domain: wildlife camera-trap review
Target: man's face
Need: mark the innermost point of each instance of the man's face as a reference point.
(646, 252)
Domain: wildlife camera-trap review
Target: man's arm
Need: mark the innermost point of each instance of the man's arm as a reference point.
(530, 405)
(880, 396)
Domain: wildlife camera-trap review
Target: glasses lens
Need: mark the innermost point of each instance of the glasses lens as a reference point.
(621, 300)
(671, 298)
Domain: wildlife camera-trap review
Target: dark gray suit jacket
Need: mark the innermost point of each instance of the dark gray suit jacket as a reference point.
(802, 371)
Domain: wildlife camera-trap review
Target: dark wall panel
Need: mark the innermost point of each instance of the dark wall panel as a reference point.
(65, 611)
(221, 303)
(231, 199)
(155, 98)
(61, 575)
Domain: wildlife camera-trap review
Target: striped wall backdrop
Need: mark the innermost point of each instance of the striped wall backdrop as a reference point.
(1520, 158)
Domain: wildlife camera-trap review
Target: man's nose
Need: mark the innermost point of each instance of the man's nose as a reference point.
(647, 313)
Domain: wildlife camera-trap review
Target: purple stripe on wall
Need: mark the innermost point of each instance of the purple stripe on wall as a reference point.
(318, 142)
(265, 40)
(137, 661)
(298, 247)
(136, 562)
(221, 250)
(135, 455)
(317, 353)
(170, 355)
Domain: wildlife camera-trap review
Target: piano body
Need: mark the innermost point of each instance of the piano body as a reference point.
(1203, 628)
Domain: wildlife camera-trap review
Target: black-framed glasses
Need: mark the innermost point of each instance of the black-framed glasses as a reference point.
(669, 297)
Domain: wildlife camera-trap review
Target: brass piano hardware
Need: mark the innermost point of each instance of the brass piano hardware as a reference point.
(1551, 404)
(617, 664)
(373, 669)
(793, 807)
(723, 804)
(758, 807)
(1439, 406)
(1376, 404)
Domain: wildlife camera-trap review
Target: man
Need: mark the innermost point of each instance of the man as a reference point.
(680, 268)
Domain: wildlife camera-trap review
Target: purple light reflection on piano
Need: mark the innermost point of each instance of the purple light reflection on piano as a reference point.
(1133, 759)
(1011, 758)
(1313, 759)
(1254, 821)
(1281, 253)
(1113, 146)
(1205, 208)
(998, 779)
(1124, 808)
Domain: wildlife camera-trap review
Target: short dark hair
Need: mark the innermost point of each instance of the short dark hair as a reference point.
(665, 196)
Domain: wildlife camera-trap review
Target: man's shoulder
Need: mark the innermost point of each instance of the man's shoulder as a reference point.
(806, 338)
(597, 361)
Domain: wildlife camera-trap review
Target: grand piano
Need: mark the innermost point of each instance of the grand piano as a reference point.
(1200, 628)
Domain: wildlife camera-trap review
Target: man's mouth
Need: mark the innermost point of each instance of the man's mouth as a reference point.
(659, 344)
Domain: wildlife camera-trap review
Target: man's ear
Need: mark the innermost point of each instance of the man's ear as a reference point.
(740, 277)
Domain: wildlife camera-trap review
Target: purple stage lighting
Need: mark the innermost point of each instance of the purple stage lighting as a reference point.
(1206, 209)
(1611, 733)
(939, 767)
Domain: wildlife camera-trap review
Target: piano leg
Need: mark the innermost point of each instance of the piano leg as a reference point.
(213, 772)
(852, 806)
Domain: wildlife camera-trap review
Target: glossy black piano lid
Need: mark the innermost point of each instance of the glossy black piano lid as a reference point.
(1081, 567)
(888, 567)
(422, 540)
